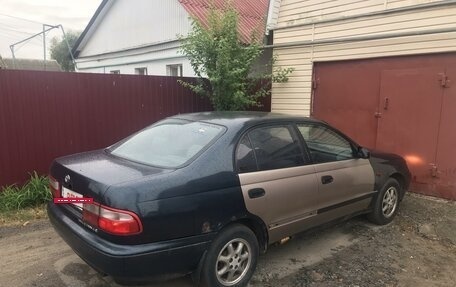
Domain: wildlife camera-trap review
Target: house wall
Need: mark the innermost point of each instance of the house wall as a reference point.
(316, 31)
(154, 58)
(112, 45)
(123, 27)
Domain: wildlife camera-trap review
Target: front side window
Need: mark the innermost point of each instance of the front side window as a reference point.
(275, 147)
(324, 144)
(169, 144)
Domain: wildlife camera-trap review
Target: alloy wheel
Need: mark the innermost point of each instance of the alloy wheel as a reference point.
(233, 262)
(389, 202)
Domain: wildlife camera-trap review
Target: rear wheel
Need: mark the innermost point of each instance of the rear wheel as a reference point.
(231, 259)
(387, 203)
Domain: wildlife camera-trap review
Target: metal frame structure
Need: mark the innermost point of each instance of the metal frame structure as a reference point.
(46, 28)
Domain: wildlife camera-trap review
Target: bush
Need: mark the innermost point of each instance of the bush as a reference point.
(218, 53)
(35, 192)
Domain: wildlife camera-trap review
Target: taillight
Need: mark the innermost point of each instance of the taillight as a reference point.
(54, 186)
(111, 220)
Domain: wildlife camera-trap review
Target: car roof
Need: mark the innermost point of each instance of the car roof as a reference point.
(241, 118)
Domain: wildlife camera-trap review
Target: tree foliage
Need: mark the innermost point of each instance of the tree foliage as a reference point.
(60, 53)
(216, 53)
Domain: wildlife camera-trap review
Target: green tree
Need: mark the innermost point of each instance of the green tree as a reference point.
(60, 53)
(216, 53)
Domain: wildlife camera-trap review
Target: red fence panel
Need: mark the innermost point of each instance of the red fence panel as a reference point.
(44, 115)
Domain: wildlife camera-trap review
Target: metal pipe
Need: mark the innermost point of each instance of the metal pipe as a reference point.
(33, 36)
(360, 39)
(68, 45)
(14, 57)
(44, 45)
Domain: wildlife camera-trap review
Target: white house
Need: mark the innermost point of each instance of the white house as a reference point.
(141, 36)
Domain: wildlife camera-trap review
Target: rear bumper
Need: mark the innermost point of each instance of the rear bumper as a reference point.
(132, 262)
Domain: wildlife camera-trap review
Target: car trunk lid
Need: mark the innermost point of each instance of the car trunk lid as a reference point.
(90, 174)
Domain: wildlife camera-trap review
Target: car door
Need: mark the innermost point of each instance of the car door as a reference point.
(345, 181)
(278, 183)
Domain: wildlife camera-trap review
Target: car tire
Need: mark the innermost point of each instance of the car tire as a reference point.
(231, 259)
(387, 202)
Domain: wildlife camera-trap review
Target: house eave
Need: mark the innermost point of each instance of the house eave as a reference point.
(96, 18)
(133, 51)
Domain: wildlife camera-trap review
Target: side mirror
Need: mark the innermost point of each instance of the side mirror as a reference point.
(363, 152)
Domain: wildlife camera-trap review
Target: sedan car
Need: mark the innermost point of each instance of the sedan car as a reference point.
(206, 193)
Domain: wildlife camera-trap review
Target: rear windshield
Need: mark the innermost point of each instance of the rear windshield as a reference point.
(169, 143)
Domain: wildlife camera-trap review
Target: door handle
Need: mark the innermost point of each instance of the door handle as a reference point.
(327, 179)
(256, 192)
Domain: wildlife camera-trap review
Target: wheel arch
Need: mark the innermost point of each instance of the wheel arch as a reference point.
(258, 227)
(401, 180)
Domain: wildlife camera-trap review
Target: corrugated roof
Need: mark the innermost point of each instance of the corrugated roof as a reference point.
(31, 64)
(252, 14)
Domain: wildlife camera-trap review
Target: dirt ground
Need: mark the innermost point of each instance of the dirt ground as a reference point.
(417, 249)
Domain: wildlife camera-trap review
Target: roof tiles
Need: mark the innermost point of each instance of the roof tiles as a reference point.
(252, 14)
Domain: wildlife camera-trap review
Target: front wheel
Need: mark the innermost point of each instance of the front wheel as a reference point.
(232, 258)
(387, 203)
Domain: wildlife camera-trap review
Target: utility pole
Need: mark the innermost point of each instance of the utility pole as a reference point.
(44, 45)
(14, 57)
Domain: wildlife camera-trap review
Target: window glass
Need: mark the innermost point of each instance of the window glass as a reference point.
(324, 144)
(170, 143)
(174, 70)
(141, 71)
(245, 159)
(275, 148)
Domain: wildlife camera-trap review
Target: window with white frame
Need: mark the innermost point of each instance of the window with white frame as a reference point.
(141, 71)
(116, 72)
(174, 70)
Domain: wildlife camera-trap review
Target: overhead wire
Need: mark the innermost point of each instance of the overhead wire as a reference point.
(14, 34)
(15, 30)
(20, 18)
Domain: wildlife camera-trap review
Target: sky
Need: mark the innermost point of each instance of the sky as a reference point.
(20, 19)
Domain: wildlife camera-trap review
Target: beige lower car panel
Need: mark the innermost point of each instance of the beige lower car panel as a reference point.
(351, 179)
(294, 196)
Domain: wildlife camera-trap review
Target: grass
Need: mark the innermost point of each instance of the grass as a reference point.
(34, 192)
(22, 216)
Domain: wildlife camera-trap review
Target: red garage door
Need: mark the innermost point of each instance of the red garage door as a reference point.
(404, 105)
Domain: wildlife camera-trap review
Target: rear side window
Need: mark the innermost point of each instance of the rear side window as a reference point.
(245, 156)
(169, 144)
(273, 148)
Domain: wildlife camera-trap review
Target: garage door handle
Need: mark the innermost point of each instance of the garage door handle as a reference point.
(327, 179)
(256, 192)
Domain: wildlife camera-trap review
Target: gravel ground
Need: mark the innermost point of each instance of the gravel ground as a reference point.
(417, 249)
